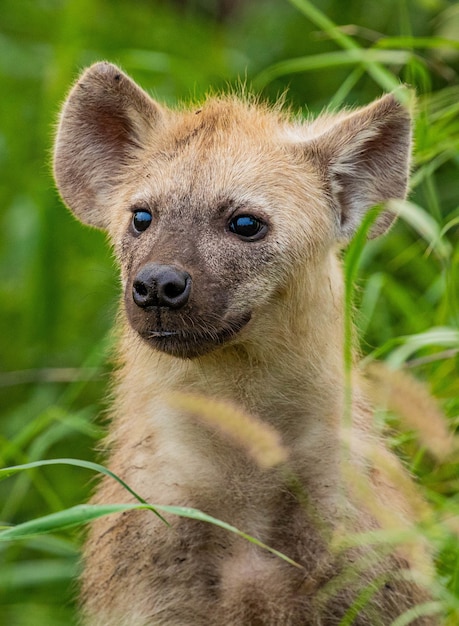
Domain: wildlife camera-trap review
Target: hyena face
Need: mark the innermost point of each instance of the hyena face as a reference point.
(212, 212)
(208, 235)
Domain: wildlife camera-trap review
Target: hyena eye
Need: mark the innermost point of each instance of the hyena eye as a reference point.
(248, 227)
(141, 220)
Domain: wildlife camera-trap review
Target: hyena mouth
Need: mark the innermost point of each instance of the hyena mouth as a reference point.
(190, 343)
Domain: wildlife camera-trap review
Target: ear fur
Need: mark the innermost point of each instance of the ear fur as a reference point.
(365, 160)
(104, 120)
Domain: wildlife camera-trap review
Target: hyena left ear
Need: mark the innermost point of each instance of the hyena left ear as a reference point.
(105, 120)
(364, 159)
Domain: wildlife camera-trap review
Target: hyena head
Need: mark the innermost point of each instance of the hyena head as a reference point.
(214, 211)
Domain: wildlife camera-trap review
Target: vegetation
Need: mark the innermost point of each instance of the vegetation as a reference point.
(58, 286)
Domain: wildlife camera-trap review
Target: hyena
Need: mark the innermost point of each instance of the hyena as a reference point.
(227, 221)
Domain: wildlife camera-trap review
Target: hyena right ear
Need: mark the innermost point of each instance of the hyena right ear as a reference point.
(364, 159)
(105, 120)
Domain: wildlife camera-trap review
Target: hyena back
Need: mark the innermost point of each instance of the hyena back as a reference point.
(227, 222)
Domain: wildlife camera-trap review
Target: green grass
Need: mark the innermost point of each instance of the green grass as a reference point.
(58, 286)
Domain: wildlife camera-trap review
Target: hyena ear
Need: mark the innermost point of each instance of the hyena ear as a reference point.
(104, 121)
(364, 158)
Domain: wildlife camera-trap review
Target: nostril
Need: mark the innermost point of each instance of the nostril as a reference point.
(172, 290)
(140, 288)
(144, 293)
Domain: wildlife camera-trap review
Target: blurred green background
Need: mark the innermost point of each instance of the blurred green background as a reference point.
(58, 283)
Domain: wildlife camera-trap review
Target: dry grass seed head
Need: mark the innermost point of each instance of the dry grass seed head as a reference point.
(259, 440)
(411, 401)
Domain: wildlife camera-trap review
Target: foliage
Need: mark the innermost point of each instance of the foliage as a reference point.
(58, 286)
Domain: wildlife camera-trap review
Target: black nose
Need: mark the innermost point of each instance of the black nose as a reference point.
(161, 285)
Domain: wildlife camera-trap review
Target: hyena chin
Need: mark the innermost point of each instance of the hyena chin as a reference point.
(227, 222)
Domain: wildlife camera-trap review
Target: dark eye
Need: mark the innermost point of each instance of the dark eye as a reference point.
(141, 220)
(248, 227)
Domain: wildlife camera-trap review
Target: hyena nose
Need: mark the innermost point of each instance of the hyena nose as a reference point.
(161, 285)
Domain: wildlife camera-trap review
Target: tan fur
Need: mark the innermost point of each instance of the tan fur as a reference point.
(280, 301)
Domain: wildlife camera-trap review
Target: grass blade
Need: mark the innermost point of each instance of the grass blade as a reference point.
(445, 337)
(62, 520)
(424, 224)
(380, 75)
(351, 267)
(342, 58)
(83, 513)
(95, 467)
(417, 42)
(203, 517)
